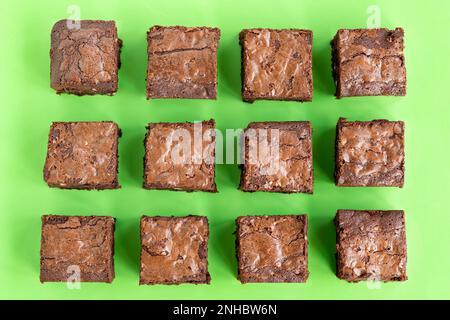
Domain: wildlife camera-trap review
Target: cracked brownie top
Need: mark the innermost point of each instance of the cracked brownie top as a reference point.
(82, 155)
(278, 157)
(180, 156)
(85, 57)
(371, 245)
(272, 248)
(369, 62)
(370, 153)
(276, 64)
(182, 62)
(174, 250)
(79, 247)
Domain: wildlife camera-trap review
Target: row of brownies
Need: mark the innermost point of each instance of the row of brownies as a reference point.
(182, 61)
(370, 245)
(277, 156)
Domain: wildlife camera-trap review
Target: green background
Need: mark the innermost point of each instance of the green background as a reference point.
(28, 106)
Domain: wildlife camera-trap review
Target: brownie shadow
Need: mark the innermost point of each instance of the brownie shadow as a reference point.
(323, 153)
(127, 243)
(224, 244)
(132, 156)
(37, 48)
(229, 62)
(133, 70)
(322, 71)
(227, 172)
(25, 242)
(323, 241)
(227, 176)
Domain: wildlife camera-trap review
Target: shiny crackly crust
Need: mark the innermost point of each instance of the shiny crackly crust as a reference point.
(167, 175)
(85, 61)
(276, 64)
(370, 154)
(72, 243)
(295, 171)
(371, 245)
(272, 248)
(82, 155)
(174, 250)
(182, 62)
(369, 62)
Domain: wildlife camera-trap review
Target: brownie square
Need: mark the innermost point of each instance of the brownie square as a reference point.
(82, 155)
(174, 250)
(371, 245)
(182, 62)
(272, 248)
(77, 248)
(370, 154)
(276, 64)
(85, 59)
(277, 157)
(180, 156)
(369, 62)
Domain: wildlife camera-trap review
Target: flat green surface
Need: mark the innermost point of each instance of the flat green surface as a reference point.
(28, 106)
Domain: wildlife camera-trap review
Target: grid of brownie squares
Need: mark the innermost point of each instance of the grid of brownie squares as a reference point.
(174, 250)
(369, 62)
(276, 64)
(182, 62)
(272, 248)
(77, 248)
(85, 57)
(277, 157)
(180, 156)
(82, 155)
(371, 245)
(370, 154)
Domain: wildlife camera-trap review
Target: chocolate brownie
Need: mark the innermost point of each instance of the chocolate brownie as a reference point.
(77, 248)
(180, 156)
(272, 248)
(276, 64)
(85, 57)
(182, 62)
(370, 154)
(277, 157)
(174, 250)
(82, 155)
(371, 245)
(369, 62)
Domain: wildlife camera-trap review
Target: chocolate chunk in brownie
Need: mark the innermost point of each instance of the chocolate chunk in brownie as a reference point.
(75, 248)
(174, 250)
(85, 57)
(82, 155)
(180, 156)
(276, 64)
(370, 154)
(277, 157)
(272, 248)
(371, 245)
(369, 62)
(182, 62)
